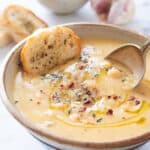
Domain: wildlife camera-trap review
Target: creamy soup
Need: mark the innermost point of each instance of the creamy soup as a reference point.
(88, 99)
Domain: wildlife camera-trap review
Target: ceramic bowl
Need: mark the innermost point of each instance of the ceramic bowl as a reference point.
(63, 6)
(9, 69)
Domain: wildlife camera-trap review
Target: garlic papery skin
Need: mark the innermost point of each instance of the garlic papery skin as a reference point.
(121, 12)
(114, 11)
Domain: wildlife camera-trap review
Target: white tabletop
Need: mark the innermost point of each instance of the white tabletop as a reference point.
(12, 134)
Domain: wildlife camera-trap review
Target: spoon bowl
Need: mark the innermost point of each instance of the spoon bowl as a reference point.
(132, 57)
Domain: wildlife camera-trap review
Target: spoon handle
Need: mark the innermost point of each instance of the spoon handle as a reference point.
(145, 48)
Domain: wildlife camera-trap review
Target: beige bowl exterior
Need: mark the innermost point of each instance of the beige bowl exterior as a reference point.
(10, 67)
(62, 7)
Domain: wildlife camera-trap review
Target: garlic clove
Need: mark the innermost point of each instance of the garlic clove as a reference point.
(132, 107)
(121, 11)
(114, 11)
(101, 6)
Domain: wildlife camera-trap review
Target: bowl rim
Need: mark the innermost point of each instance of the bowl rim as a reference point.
(42, 132)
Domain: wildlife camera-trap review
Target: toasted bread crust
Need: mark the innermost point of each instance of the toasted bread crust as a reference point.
(45, 35)
(76, 38)
(13, 24)
(5, 35)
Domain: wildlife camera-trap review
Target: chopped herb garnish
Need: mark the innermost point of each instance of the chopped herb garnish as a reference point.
(123, 80)
(99, 120)
(65, 42)
(16, 102)
(106, 69)
(52, 76)
(69, 111)
(78, 97)
(99, 98)
(59, 76)
(96, 75)
(42, 77)
(93, 115)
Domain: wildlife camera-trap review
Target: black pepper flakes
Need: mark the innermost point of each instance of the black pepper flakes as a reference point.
(99, 120)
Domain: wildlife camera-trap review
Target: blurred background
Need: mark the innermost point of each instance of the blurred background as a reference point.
(131, 14)
(44, 9)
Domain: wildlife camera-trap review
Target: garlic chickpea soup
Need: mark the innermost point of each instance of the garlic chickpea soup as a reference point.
(86, 97)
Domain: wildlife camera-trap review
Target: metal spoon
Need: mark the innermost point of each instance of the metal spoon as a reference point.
(131, 56)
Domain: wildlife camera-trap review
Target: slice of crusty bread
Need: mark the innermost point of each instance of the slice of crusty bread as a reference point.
(21, 20)
(49, 48)
(5, 36)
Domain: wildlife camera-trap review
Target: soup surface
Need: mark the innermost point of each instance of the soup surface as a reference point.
(88, 99)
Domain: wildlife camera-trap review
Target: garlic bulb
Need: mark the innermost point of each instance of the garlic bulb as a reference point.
(114, 11)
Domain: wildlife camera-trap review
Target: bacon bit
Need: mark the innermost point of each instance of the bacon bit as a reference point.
(38, 103)
(61, 86)
(115, 97)
(71, 85)
(86, 101)
(88, 92)
(42, 91)
(81, 67)
(85, 60)
(110, 112)
(132, 98)
(53, 96)
(109, 97)
(137, 102)
(82, 109)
